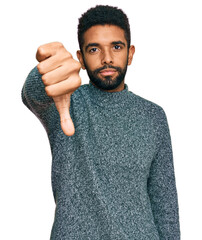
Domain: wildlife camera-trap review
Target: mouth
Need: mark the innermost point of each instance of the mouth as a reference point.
(108, 72)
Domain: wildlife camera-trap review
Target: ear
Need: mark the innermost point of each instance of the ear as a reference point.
(130, 54)
(80, 58)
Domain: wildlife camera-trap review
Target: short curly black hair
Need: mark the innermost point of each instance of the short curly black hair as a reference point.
(101, 15)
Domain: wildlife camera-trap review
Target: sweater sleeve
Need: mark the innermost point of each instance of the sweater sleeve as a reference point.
(161, 185)
(35, 98)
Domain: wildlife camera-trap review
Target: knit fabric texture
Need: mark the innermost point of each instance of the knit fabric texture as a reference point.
(114, 178)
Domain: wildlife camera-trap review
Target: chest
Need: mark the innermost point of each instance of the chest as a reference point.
(121, 141)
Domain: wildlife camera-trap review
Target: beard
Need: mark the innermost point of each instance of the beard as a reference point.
(107, 83)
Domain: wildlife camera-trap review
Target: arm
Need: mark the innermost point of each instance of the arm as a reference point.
(35, 98)
(33, 93)
(49, 86)
(162, 186)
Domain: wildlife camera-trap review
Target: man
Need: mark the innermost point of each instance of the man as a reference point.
(112, 167)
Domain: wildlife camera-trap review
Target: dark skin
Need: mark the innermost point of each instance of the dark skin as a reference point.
(103, 45)
(106, 45)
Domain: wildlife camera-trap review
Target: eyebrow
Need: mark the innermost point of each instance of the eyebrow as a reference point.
(97, 44)
(119, 42)
(92, 45)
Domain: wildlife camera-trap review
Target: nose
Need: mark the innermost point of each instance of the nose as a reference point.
(107, 57)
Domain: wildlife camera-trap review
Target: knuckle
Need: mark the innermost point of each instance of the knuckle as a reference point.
(45, 79)
(60, 47)
(78, 81)
(41, 50)
(49, 92)
(40, 68)
(66, 58)
(76, 65)
(59, 44)
(69, 55)
(66, 55)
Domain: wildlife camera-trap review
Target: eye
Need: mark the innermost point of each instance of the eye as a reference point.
(117, 47)
(92, 50)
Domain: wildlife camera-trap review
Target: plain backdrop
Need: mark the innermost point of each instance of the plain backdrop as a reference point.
(166, 70)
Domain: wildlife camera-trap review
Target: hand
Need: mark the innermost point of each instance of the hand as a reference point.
(60, 75)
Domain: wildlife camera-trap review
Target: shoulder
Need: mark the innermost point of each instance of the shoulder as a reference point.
(155, 115)
(147, 107)
(151, 113)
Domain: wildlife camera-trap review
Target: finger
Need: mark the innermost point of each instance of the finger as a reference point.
(62, 104)
(49, 64)
(47, 50)
(64, 87)
(53, 62)
(61, 73)
(42, 54)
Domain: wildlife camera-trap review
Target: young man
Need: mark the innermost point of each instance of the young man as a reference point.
(112, 168)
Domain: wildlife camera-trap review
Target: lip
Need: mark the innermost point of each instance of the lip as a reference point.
(108, 72)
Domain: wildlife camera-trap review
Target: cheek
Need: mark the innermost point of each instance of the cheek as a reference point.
(92, 63)
(120, 59)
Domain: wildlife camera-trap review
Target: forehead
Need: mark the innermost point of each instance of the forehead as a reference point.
(104, 34)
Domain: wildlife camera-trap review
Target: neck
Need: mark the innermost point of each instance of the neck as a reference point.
(107, 99)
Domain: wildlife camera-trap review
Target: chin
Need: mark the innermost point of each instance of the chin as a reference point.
(107, 84)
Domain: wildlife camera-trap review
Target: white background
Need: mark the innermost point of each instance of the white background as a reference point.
(166, 70)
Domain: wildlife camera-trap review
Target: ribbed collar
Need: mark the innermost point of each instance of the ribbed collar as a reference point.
(108, 99)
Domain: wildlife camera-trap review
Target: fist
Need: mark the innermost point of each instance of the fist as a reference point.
(60, 75)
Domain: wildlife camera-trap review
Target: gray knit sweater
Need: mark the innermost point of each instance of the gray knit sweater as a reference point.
(114, 178)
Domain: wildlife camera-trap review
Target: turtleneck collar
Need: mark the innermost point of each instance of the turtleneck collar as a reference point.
(108, 99)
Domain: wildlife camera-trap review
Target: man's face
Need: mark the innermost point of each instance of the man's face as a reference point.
(106, 56)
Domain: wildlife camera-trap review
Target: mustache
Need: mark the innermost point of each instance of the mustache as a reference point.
(105, 67)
